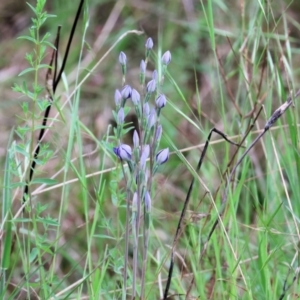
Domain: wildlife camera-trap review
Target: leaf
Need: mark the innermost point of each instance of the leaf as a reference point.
(114, 200)
(22, 220)
(26, 71)
(44, 66)
(27, 38)
(17, 184)
(33, 254)
(48, 221)
(22, 151)
(103, 236)
(32, 8)
(46, 181)
(49, 44)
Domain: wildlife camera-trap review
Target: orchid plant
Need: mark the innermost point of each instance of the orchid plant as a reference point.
(143, 157)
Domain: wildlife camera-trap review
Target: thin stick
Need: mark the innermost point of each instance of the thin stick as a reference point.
(286, 287)
(275, 116)
(185, 205)
(54, 86)
(229, 164)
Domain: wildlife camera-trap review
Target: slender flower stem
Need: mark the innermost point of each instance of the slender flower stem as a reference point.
(128, 197)
(126, 236)
(136, 235)
(145, 251)
(145, 142)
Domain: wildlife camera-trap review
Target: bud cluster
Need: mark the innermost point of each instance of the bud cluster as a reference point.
(149, 132)
(144, 156)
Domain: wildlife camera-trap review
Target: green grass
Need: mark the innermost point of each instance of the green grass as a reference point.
(227, 60)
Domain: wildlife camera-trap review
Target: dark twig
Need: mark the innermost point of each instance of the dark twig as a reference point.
(185, 205)
(275, 116)
(250, 127)
(286, 287)
(56, 57)
(51, 94)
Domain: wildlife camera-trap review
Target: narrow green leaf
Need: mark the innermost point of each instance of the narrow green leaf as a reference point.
(29, 38)
(26, 71)
(33, 254)
(46, 181)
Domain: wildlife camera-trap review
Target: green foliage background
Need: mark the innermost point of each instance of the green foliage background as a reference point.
(228, 59)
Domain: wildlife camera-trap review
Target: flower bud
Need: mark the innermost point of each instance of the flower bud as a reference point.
(151, 86)
(122, 58)
(142, 67)
(147, 202)
(162, 156)
(136, 139)
(120, 116)
(166, 58)
(126, 92)
(123, 152)
(151, 119)
(146, 109)
(118, 98)
(154, 75)
(135, 97)
(158, 133)
(145, 155)
(149, 43)
(161, 101)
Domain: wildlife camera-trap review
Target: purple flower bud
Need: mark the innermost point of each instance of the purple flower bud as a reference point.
(151, 86)
(121, 116)
(146, 109)
(162, 156)
(147, 202)
(123, 152)
(154, 75)
(118, 98)
(145, 155)
(166, 58)
(151, 118)
(122, 58)
(142, 67)
(135, 97)
(126, 92)
(158, 133)
(136, 139)
(149, 44)
(134, 202)
(161, 101)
